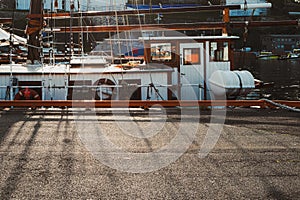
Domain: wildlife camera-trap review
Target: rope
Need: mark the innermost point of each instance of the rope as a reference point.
(141, 29)
(29, 45)
(152, 86)
(281, 105)
(245, 5)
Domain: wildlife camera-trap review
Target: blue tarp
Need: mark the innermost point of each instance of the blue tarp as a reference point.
(248, 12)
(84, 5)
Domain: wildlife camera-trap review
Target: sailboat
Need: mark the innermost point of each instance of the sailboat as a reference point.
(174, 66)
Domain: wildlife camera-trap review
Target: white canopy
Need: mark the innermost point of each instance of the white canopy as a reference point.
(5, 36)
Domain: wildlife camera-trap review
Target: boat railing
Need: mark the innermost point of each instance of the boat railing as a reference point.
(98, 88)
(13, 90)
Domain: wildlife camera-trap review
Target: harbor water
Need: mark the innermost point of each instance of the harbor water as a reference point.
(282, 77)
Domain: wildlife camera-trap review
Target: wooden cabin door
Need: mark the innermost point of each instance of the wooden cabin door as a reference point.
(191, 71)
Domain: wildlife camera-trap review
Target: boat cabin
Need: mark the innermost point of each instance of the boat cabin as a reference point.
(195, 58)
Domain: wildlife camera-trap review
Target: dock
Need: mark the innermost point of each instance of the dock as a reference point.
(43, 156)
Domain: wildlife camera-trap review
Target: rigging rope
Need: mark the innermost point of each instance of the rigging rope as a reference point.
(81, 31)
(245, 5)
(143, 41)
(131, 37)
(118, 33)
(281, 105)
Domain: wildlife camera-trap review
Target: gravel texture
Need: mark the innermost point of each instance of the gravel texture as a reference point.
(43, 156)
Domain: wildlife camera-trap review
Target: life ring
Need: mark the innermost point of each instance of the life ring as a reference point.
(27, 94)
(104, 93)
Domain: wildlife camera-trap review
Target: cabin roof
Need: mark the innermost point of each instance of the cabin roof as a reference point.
(65, 69)
(32, 69)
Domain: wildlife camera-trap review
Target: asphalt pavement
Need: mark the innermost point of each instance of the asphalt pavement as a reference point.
(243, 153)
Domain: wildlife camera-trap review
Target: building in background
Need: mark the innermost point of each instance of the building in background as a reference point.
(85, 5)
(280, 44)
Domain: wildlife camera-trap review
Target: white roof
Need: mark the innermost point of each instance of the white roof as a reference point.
(32, 69)
(5, 36)
(62, 69)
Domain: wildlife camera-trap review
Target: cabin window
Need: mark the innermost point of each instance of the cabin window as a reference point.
(161, 52)
(191, 56)
(219, 51)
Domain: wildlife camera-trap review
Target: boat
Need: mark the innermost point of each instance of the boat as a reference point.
(12, 47)
(175, 66)
(294, 54)
(267, 55)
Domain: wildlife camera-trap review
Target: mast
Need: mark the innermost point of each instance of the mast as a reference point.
(34, 26)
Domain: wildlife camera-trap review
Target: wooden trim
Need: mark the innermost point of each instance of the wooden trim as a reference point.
(139, 11)
(5, 20)
(141, 103)
(176, 26)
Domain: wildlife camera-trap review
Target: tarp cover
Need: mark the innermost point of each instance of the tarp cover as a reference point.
(5, 37)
